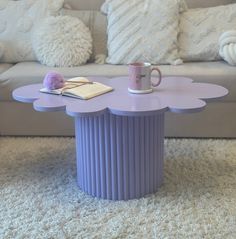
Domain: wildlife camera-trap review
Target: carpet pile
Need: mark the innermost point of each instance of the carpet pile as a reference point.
(39, 197)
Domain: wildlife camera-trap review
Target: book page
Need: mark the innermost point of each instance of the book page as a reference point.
(54, 92)
(87, 91)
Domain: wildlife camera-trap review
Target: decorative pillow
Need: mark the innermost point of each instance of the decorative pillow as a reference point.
(97, 24)
(17, 19)
(143, 30)
(200, 30)
(62, 41)
(227, 49)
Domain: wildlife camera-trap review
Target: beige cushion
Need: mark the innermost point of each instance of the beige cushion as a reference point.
(96, 4)
(200, 30)
(135, 36)
(32, 72)
(97, 23)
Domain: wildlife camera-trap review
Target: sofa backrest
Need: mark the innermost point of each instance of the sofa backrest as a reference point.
(96, 4)
(207, 3)
(89, 12)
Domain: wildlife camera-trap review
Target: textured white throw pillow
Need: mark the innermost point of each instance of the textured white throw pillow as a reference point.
(143, 30)
(17, 19)
(62, 41)
(200, 30)
(227, 44)
(97, 24)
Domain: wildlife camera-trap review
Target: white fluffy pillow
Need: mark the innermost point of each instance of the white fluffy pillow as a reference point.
(97, 24)
(227, 44)
(62, 41)
(143, 30)
(17, 20)
(200, 30)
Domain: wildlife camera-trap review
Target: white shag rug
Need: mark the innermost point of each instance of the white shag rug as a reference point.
(39, 197)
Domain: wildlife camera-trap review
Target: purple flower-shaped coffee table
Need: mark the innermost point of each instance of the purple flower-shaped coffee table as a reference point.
(119, 135)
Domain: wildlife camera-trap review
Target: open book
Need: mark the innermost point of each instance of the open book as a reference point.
(80, 87)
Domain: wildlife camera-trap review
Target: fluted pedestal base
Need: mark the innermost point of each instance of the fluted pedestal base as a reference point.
(119, 157)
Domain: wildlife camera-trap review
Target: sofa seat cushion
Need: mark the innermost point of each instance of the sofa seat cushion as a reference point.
(4, 67)
(33, 72)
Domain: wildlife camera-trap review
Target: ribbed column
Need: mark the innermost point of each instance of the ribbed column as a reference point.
(119, 157)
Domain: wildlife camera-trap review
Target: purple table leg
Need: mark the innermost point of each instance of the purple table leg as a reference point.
(120, 157)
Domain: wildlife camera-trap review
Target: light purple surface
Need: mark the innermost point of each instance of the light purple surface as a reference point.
(176, 94)
(119, 156)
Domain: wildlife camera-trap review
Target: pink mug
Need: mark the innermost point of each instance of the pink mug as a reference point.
(140, 80)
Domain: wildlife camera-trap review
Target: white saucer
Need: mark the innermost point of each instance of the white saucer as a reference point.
(139, 91)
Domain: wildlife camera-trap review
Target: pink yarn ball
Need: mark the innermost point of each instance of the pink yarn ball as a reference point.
(53, 80)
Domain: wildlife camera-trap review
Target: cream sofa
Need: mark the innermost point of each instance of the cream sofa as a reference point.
(217, 120)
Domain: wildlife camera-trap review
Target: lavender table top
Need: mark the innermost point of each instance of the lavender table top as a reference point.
(175, 94)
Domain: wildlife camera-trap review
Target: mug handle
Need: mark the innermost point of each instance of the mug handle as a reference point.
(160, 76)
